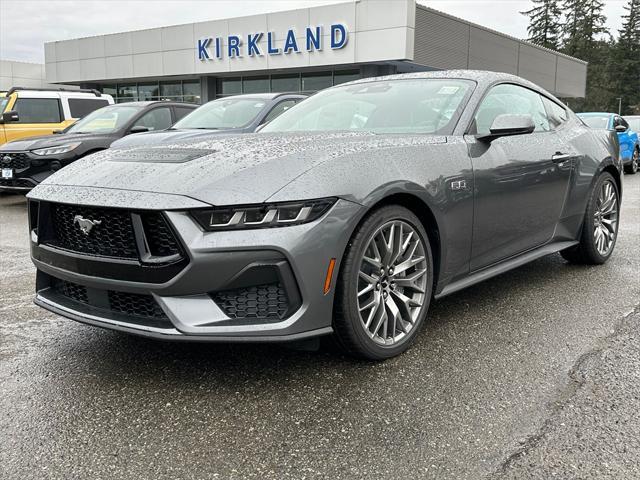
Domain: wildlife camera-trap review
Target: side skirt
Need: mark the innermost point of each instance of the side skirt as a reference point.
(504, 266)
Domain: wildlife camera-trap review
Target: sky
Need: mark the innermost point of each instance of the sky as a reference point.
(26, 24)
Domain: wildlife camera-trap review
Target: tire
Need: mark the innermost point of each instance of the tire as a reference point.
(402, 292)
(590, 249)
(632, 168)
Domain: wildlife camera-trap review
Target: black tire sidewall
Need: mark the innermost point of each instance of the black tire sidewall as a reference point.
(348, 281)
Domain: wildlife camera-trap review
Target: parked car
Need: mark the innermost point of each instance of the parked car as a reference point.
(345, 215)
(25, 163)
(28, 112)
(627, 136)
(235, 114)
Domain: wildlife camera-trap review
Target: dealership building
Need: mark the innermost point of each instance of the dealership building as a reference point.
(303, 50)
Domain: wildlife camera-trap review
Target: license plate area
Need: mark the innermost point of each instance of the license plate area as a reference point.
(7, 173)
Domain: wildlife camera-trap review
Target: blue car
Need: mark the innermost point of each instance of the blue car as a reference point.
(627, 136)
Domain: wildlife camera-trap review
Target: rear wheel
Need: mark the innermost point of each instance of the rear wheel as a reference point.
(600, 228)
(632, 168)
(384, 288)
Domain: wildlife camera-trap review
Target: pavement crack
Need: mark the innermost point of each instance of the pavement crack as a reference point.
(577, 380)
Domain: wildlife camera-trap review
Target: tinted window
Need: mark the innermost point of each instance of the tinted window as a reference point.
(391, 106)
(557, 115)
(80, 107)
(156, 119)
(3, 103)
(596, 121)
(510, 99)
(182, 112)
(279, 109)
(104, 120)
(38, 110)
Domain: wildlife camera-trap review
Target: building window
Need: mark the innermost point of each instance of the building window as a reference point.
(148, 91)
(180, 91)
(255, 85)
(312, 82)
(345, 76)
(285, 83)
(229, 86)
(191, 91)
(171, 90)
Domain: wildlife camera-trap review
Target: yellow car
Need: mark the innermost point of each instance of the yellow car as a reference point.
(33, 112)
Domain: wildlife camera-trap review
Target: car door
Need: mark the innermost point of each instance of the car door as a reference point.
(627, 143)
(520, 181)
(36, 116)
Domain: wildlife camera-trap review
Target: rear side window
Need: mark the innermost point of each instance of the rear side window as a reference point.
(182, 112)
(556, 114)
(38, 110)
(79, 107)
(511, 99)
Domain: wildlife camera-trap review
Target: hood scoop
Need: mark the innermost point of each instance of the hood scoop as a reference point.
(159, 155)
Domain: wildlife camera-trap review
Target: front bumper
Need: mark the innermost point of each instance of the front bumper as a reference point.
(295, 258)
(29, 169)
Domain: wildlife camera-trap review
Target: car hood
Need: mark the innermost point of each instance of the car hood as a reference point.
(227, 169)
(166, 137)
(45, 141)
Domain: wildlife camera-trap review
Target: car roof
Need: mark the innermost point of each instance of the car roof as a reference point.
(595, 114)
(148, 103)
(631, 116)
(267, 96)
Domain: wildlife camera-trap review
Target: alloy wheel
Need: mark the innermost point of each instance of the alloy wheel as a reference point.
(635, 160)
(605, 218)
(392, 282)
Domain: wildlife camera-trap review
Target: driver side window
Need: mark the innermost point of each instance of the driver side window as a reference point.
(510, 99)
(156, 119)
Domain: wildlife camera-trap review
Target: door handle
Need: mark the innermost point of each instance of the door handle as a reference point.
(559, 157)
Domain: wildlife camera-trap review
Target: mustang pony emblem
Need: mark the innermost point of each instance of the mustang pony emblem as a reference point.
(85, 224)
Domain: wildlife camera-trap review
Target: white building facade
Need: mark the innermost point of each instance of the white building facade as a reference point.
(299, 50)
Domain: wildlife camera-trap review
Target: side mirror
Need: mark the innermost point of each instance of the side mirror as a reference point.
(507, 124)
(620, 128)
(138, 129)
(10, 116)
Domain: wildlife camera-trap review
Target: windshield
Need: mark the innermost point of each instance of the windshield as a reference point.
(104, 120)
(392, 106)
(3, 103)
(596, 121)
(223, 113)
(634, 123)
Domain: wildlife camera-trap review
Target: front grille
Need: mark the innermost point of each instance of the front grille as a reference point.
(14, 160)
(269, 302)
(73, 291)
(123, 303)
(135, 304)
(161, 240)
(113, 236)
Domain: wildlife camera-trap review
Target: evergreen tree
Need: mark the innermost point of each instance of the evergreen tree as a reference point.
(626, 59)
(544, 23)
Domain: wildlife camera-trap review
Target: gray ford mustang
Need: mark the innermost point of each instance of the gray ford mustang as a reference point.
(346, 215)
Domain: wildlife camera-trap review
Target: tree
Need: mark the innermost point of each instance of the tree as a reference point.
(544, 23)
(626, 57)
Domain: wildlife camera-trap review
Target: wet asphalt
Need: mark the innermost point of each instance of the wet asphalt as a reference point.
(533, 374)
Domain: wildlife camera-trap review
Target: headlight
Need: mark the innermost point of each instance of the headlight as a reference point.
(59, 150)
(271, 215)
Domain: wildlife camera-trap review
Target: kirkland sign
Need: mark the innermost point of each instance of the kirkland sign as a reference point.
(211, 48)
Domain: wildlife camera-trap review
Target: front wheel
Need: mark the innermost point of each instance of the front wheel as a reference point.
(385, 283)
(632, 168)
(600, 228)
